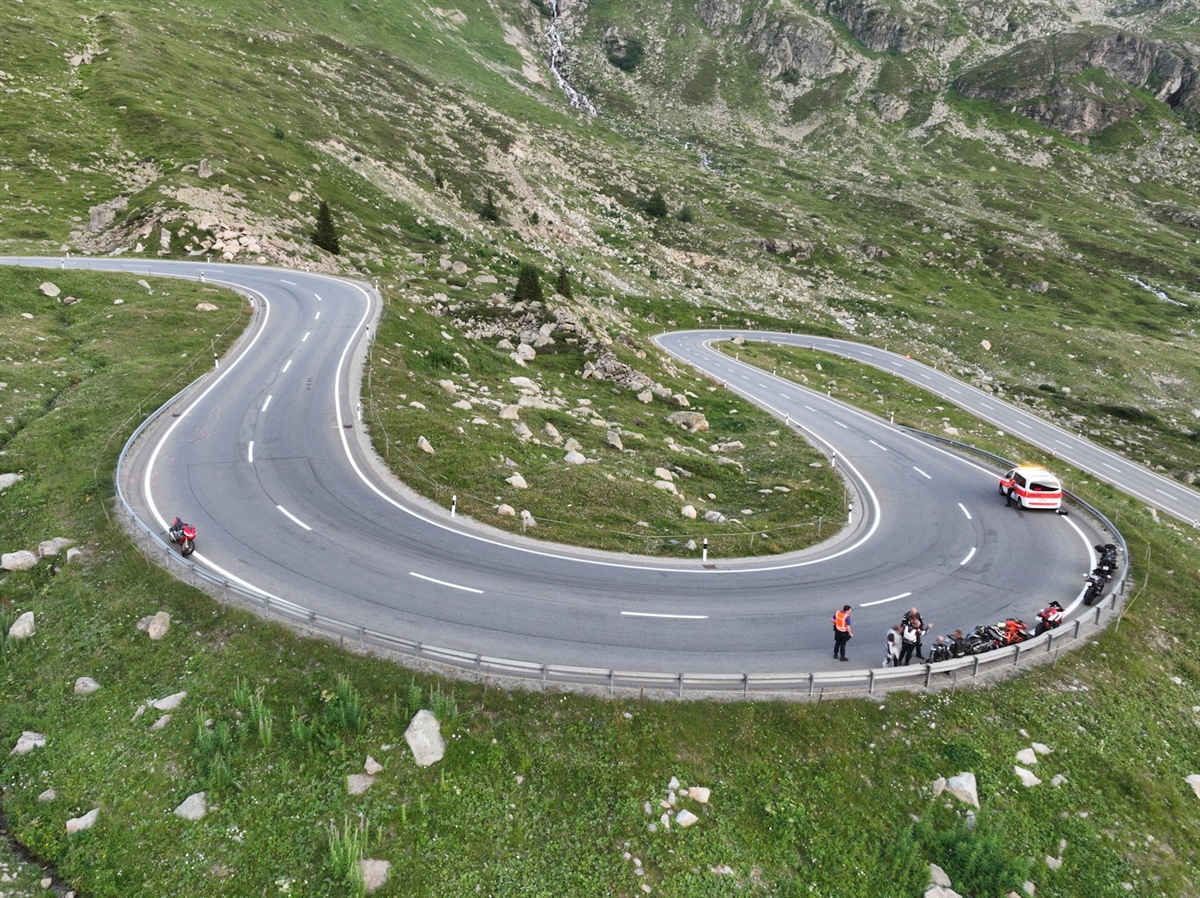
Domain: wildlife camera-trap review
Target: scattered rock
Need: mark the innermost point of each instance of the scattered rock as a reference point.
(1027, 756)
(424, 445)
(372, 766)
(574, 458)
(686, 818)
(667, 487)
(73, 553)
(714, 517)
(1028, 777)
(1058, 779)
(1042, 749)
(1193, 780)
(699, 793)
(49, 289)
(194, 807)
(506, 510)
(663, 474)
(48, 547)
(523, 432)
(1039, 287)
(517, 481)
(525, 353)
(614, 440)
(205, 307)
(938, 786)
(424, 738)
(527, 519)
(449, 386)
(170, 703)
(1053, 862)
(358, 783)
(689, 512)
(160, 724)
(7, 480)
(938, 877)
(23, 627)
(21, 560)
(85, 686)
(963, 788)
(739, 340)
(693, 422)
(374, 873)
(205, 169)
(159, 625)
(986, 344)
(27, 742)
(48, 795)
(645, 397)
(79, 824)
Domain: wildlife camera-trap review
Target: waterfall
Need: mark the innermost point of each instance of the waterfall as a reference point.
(558, 56)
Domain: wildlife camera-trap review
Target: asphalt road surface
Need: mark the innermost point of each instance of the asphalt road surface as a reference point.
(268, 458)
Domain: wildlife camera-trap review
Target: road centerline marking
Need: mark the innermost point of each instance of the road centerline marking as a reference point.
(251, 452)
(265, 404)
(922, 473)
(445, 583)
(285, 367)
(305, 337)
(670, 616)
(970, 555)
(903, 595)
(964, 508)
(293, 517)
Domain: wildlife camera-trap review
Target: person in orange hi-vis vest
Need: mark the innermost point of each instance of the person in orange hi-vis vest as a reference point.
(841, 632)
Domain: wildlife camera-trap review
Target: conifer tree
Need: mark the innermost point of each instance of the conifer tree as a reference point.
(489, 210)
(656, 206)
(325, 236)
(529, 284)
(563, 285)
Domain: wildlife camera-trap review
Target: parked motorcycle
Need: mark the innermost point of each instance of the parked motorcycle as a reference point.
(1049, 618)
(184, 535)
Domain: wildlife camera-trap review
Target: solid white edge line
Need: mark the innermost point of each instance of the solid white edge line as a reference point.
(964, 508)
(671, 616)
(970, 555)
(444, 583)
(251, 453)
(293, 517)
(289, 283)
(265, 404)
(903, 595)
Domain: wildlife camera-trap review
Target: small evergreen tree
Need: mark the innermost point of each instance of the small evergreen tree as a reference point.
(489, 210)
(656, 206)
(529, 284)
(686, 215)
(325, 236)
(563, 285)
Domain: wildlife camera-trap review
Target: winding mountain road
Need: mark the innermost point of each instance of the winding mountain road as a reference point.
(268, 458)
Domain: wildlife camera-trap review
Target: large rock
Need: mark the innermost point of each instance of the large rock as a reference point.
(517, 481)
(171, 702)
(79, 824)
(1193, 780)
(714, 517)
(21, 560)
(963, 788)
(23, 627)
(574, 458)
(7, 480)
(159, 625)
(49, 289)
(424, 737)
(194, 807)
(204, 170)
(693, 422)
(27, 742)
(1028, 778)
(666, 486)
(358, 783)
(374, 873)
(686, 818)
(424, 445)
(614, 439)
(85, 686)
(688, 511)
(1027, 756)
(48, 547)
(938, 877)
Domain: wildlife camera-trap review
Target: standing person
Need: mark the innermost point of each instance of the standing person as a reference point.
(841, 632)
(909, 634)
(892, 647)
(915, 616)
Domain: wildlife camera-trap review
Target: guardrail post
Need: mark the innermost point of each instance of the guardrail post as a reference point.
(266, 608)
(1078, 621)
(543, 678)
(745, 685)
(975, 668)
(1017, 655)
(811, 680)
(1049, 640)
(1097, 616)
(928, 674)
(362, 638)
(612, 682)
(681, 685)
(870, 682)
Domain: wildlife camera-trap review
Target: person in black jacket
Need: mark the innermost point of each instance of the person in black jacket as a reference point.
(919, 625)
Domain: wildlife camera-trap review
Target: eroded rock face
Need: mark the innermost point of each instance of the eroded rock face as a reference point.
(1041, 78)
(789, 42)
(885, 26)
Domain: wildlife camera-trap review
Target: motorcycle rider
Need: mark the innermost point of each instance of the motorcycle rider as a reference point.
(918, 625)
(176, 530)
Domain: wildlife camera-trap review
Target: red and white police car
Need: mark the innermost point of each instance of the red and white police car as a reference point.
(1030, 486)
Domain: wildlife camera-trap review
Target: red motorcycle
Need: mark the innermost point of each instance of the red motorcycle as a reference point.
(184, 535)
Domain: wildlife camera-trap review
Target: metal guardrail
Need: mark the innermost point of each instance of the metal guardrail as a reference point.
(801, 685)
